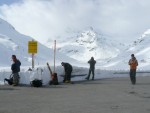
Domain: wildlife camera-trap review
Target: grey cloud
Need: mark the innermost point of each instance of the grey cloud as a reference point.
(43, 19)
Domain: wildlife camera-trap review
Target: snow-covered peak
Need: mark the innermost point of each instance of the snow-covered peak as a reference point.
(87, 37)
(13, 42)
(89, 43)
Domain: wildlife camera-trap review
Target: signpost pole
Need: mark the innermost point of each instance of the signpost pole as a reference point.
(54, 54)
(32, 60)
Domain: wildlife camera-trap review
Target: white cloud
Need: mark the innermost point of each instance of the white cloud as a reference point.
(43, 19)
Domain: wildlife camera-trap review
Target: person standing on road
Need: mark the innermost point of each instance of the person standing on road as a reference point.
(15, 67)
(68, 71)
(133, 65)
(92, 63)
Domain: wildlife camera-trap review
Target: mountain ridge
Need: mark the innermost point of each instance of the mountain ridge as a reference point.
(89, 43)
(12, 42)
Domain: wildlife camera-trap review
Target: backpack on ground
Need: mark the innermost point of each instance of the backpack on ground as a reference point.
(36, 83)
(10, 80)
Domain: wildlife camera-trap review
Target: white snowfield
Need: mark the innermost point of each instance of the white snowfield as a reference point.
(12, 42)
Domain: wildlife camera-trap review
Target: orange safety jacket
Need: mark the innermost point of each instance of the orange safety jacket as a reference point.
(133, 63)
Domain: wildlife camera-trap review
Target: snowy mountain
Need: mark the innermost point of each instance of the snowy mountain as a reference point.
(108, 53)
(89, 43)
(13, 42)
(140, 48)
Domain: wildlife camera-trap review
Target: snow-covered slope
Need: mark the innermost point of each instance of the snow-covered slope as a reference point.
(89, 43)
(12, 42)
(81, 46)
(141, 49)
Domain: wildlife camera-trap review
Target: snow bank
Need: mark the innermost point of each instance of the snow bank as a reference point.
(43, 74)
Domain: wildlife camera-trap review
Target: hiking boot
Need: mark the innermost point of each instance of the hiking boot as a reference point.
(133, 83)
(87, 78)
(14, 84)
(67, 81)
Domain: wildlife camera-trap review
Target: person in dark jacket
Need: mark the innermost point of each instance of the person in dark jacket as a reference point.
(15, 67)
(92, 63)
(133, 65)
(68, 71)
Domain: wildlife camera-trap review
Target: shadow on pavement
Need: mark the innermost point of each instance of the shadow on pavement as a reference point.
(7, 89)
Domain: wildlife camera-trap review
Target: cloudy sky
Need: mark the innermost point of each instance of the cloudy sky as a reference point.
(123, 20)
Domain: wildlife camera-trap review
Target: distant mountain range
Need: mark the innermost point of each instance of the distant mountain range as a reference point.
(76, 49)
(110, 54)
(90, 43)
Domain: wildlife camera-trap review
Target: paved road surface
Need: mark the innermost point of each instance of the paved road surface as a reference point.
(115, 95)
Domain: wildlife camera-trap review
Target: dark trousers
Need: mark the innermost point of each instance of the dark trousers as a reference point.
(15, 78)
(67, 76)
(133, 76)
(91, 70)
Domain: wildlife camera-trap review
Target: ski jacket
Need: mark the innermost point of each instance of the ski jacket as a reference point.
(15, 67)
(133, 63)
(67, 67)
(92, 63)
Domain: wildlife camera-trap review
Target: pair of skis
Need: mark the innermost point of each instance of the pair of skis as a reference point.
(72, 76)
(51, 73)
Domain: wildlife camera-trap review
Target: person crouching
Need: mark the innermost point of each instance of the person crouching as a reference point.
(68, 71)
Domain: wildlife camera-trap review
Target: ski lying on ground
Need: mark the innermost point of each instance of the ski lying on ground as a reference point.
(72, 76)
(67, 83)
(129, 72)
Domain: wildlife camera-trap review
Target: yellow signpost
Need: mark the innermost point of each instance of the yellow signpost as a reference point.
(32, 48)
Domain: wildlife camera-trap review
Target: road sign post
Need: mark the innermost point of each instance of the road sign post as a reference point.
(32, 60)
(54, 54)
(32, 49)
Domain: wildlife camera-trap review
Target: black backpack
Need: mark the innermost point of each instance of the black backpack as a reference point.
(10, 81)
(36, 83)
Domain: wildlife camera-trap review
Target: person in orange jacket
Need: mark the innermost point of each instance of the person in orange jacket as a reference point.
(133, 65)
